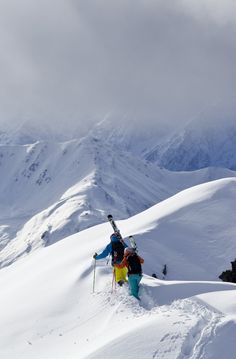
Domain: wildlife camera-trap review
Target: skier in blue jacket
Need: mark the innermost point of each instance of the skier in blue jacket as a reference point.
(116, 249)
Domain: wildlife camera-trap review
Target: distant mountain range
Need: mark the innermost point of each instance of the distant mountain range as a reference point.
(200, 144)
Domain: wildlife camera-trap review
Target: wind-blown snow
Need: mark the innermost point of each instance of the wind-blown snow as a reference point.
(48, 308)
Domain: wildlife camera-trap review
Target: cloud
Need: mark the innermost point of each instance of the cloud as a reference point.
(78, 60)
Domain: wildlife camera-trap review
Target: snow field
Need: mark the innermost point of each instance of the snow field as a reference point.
(49, 310)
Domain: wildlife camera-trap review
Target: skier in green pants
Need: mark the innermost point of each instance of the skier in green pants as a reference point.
(133, 262)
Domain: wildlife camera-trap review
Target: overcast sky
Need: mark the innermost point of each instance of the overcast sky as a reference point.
(83, 60)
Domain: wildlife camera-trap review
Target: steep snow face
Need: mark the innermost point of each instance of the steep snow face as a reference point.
(50, 310)
(201, 144)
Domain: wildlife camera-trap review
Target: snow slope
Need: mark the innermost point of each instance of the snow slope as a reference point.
(196, 228)
(48, 309)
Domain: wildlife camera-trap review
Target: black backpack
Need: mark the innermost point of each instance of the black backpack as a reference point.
(134, 265)
(117, 252)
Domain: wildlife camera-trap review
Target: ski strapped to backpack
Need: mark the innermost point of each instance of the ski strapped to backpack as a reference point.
(117, 231)
(133, 243)
(113, 224)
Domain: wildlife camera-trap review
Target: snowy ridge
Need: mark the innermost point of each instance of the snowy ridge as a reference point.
(50, 311)
(76, 179)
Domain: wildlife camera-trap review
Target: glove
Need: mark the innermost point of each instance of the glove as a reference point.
(95, 255)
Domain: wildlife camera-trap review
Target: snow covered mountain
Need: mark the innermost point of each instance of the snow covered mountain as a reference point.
(82, 179)
(48, 177)
(50, 310)
(202, 143)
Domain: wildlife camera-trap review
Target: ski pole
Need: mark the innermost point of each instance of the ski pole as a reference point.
(113, 281)
(94, 270)
(108, 259)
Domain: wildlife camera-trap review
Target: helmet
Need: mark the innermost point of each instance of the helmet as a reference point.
(129, 250)
(114, 237)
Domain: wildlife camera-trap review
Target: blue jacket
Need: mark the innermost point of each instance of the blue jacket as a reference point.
(108, 249)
